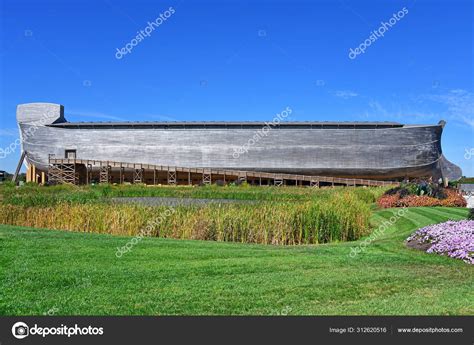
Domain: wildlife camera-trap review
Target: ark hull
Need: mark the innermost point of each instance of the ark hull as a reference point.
(360, 150)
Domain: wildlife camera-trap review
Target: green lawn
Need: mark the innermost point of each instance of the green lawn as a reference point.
(78, 274)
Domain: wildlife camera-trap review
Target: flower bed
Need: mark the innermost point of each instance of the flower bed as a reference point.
(454, 239)
(452, 199)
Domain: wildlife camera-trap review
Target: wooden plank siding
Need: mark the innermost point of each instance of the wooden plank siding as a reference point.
(347, 151)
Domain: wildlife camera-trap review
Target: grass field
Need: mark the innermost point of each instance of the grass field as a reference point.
(67, 273)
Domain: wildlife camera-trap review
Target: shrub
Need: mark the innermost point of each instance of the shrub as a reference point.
(417, 201)
(452, 199)
(420, 194)
(439, 193)
(393, 191)
(8, 184)
(412, 188)
(388, 201)
(404, 192)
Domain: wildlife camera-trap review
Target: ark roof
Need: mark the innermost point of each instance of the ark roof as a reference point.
(226, 125)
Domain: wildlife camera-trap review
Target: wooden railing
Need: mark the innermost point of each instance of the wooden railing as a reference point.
(313, 180)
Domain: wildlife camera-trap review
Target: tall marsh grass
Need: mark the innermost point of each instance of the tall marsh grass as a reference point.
(338, 216)
(34, 195)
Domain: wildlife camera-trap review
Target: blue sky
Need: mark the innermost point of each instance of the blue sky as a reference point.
(242, 60)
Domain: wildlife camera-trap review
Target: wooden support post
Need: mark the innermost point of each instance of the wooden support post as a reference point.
(154, 176)
(89, 172)
(18, 167)
(62, 173)
(242, 177)
(206, 177)
(171, 176)
(189, 178)
(138, 176)
(43, 178)
(33, 173)
(104, 174)
(28, 174)
(54, 174)
(278, 181)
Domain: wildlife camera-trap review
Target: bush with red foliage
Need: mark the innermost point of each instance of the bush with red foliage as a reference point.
(418, 201)
(388, 201)
(451, 198)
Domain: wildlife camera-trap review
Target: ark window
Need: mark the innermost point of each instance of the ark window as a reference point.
(71, 154)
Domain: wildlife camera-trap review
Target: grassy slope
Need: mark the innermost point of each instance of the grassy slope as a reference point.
(74, 273)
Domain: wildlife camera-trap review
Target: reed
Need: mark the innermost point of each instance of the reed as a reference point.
(337, 216)
(34, 195)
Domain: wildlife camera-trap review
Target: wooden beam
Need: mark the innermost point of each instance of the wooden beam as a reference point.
(18, 167)
(33, 173)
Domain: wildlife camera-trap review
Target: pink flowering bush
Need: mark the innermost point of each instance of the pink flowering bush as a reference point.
(454, 239)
